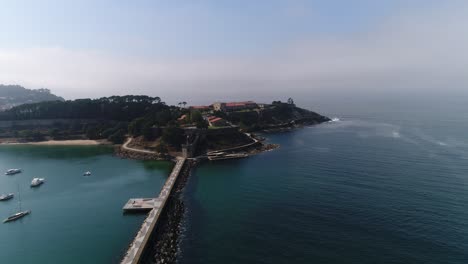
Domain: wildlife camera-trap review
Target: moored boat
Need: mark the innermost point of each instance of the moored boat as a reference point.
(37, 181)
(5, 197)
(17, 216)
(12, 171)
(88, 173)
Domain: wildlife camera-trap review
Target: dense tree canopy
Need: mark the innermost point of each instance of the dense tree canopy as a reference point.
(117, 108)
(113, 117)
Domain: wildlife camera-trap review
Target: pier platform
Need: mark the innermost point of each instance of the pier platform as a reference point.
(142, 204)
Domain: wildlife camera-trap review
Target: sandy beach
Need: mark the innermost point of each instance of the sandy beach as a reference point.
(76, 142)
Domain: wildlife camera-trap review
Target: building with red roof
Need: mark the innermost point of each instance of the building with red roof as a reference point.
(216, 121)
(234, 106)
(201, 107)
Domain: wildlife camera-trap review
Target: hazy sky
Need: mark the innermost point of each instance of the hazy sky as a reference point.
(207, 50)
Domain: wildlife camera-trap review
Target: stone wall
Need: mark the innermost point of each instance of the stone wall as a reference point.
(128, 154)
(215, 131)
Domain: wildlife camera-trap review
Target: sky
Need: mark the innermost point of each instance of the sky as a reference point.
(201, 51)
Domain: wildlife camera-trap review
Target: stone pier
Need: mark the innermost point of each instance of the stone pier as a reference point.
(155, 206)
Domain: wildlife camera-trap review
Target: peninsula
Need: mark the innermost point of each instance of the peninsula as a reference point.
(161, 131)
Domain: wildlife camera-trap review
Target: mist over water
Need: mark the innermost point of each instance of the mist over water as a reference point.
(387, 183)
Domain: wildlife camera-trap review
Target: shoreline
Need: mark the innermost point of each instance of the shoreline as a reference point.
(73, 142)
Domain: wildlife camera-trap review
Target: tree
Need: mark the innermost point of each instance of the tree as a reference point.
(76, 127)
(290, 101)
(33, 135)
(173, 135)
(55, 133)
(163, 117)
(201, 123)
(108, 132)
(184, 103)
(38, 136)
(116, 108)
(162, 148)
(135, 127)
(243, 126)
(196, 116)
(92, 132)
(147, 131)
(220, 114)
(118, 137)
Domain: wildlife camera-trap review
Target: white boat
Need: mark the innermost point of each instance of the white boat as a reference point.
(18, 215)
(37, 181)
(12, 171)
(88, 173)
(5, 197)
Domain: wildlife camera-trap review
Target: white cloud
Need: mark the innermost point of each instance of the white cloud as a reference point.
(427, 49)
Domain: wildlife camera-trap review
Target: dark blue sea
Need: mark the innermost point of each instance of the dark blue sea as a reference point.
(386, 183)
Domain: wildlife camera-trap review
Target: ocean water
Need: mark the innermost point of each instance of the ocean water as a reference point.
(74, 219)
(387, 183)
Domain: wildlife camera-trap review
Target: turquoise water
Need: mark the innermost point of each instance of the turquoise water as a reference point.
(386, 184)
(74, 219)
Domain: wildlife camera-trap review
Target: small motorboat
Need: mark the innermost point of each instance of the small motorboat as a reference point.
(88, 173)
(12, 171)
(5, 197)
(17, 216)
(37, 182)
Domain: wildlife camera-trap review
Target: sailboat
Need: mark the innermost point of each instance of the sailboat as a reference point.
(18, 215)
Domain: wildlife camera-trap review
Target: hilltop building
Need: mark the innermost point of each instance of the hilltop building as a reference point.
(201, 108)
(234, 106)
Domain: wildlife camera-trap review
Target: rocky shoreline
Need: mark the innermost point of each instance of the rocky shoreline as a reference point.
(263, 148)
(128, 154)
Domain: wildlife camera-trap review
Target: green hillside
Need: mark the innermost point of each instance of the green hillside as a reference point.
(13, 95)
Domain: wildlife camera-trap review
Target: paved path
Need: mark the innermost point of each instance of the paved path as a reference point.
(126, 147)
(138, 245)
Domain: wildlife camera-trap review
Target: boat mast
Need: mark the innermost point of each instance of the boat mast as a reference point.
(19, 198)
